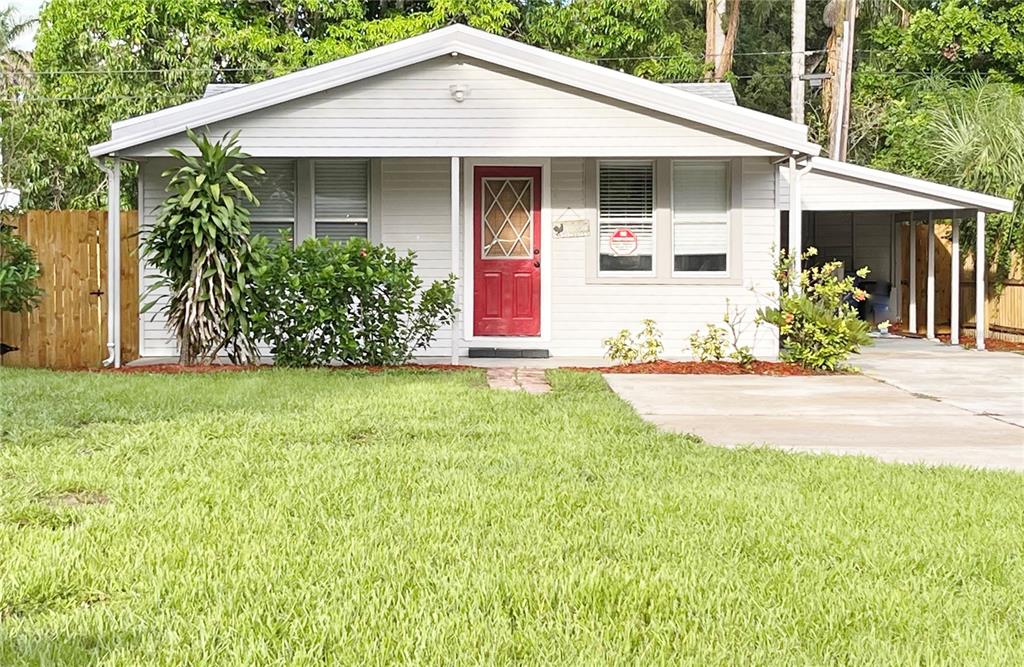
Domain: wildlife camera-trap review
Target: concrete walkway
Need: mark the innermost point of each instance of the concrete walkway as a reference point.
(918, 403)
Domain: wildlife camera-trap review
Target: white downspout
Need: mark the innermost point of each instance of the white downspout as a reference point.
(796, 219)
(980, 266)
(113, 263)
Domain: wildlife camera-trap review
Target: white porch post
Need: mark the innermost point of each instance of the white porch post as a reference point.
(796, 217)
(954, 288)
(930, 326)
(912, 307)
(979, 284)
(455, 250)
(114, 264)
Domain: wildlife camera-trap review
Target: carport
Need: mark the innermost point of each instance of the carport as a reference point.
(853, 214)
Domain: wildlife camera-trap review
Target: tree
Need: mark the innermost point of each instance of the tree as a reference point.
(643, 37)
(19, 271)
(15, 64)
(201, 247)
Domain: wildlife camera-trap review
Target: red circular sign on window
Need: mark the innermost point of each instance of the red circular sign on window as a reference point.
(623, 241)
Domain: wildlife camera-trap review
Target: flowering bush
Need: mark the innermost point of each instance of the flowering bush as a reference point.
(818, 325)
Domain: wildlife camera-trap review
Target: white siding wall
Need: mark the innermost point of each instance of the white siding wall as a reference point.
(156, 340)
(410, 112)
(414, 215)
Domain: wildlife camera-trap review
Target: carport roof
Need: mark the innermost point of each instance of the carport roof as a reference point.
(832, 185)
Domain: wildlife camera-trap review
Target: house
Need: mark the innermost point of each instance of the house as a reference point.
(571, 200)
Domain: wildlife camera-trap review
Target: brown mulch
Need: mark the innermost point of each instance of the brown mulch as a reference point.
(177, 369)
(992, 344)
(776, 368)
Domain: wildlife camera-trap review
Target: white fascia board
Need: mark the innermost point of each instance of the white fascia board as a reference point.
(958, 196)
(477, 44)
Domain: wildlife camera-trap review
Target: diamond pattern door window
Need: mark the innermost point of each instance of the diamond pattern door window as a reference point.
(507, 218)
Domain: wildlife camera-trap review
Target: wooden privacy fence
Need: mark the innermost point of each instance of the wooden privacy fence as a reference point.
(1004, 308)
(69, 327)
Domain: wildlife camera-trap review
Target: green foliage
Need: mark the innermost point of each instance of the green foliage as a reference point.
(19, 271)
(645, 347)
(818, 327)
(733, 319)
(710, 346)
(357, 303)
(201, 248)
(648, 38)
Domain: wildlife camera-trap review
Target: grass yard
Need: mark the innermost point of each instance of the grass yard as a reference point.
(309, 517)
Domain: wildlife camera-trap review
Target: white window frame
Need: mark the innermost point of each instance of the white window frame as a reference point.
(312, 205)
(700, 218)
(654, 221)
(294, 222)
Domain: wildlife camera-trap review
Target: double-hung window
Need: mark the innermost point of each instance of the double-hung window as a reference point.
(626, 217)
(700, 216)
(341, 199)
(275, 191)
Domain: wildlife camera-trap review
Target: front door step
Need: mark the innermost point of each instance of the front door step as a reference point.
(507, 353)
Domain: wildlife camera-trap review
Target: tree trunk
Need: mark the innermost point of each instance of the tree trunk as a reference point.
(833, 47)
(714, 36)
(724, 64)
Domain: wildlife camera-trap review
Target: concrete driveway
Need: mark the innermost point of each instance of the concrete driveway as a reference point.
(916, 402)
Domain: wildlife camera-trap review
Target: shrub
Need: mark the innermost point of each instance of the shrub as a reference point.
(818, 326)
(357, 303)
(710, 346)
(200, 245)
(19, 271)
(646, 347)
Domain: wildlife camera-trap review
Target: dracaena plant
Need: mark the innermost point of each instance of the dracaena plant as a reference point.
(201, 247)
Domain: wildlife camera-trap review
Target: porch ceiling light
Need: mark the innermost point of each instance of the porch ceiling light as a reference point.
(459, 92)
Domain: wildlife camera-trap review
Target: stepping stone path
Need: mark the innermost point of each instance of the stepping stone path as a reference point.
(530, 380)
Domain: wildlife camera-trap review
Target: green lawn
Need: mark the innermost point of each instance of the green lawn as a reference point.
(311, 517)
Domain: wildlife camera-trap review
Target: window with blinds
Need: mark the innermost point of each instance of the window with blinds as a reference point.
(275, 191)
(626, 216)
(341, 199)
(700, 216)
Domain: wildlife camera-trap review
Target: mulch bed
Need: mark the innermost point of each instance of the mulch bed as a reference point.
(177, 369)
(775, 368)
(992, 344)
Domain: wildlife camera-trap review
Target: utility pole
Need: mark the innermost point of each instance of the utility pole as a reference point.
(850, 34)
(797, 61)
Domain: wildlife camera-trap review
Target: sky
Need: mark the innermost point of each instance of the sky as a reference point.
(25, 9)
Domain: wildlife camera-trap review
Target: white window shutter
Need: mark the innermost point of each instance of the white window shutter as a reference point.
(700, 215)
(341, 199)
(626, 200)
(275, 191)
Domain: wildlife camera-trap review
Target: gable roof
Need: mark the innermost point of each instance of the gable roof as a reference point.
(889, 180)
(465, 41)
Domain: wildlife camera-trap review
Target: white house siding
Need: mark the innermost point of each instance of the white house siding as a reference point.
(584, 313)
(155, 339)
(415, 214)
(410, 112)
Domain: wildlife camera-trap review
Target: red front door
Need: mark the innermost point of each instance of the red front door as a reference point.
(506, 264)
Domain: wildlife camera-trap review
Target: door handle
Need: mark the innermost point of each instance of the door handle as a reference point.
(96, 292)
(537, 264)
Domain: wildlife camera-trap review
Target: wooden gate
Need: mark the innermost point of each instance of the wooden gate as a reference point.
(69, 327)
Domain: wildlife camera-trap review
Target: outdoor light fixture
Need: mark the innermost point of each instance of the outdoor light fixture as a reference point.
(459, 92)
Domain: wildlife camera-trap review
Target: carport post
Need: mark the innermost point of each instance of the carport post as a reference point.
(912, 308)
(979, 283)
(930, 326)
(796, 218)
(954, 288)
(455, 194)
